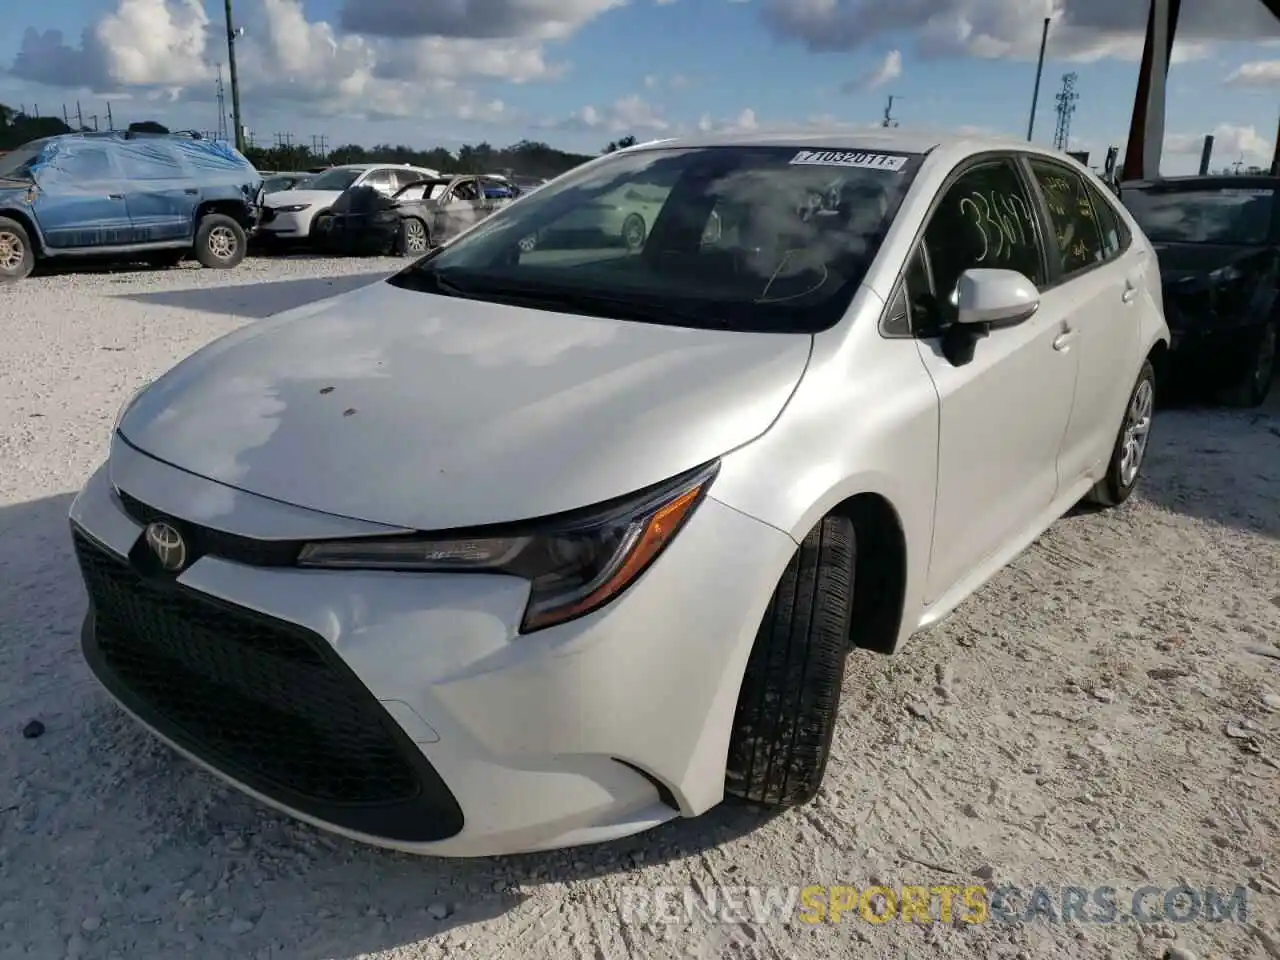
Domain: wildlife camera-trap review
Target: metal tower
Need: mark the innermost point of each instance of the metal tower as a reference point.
(222, 108)
(889, 120)
(1066, 98)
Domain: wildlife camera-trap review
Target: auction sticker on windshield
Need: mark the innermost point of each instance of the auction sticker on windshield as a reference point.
(850, 158)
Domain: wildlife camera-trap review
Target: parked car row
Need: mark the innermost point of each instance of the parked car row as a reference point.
(159, 198)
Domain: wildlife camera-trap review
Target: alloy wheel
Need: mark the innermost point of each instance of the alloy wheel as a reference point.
(12, 251)
(415, 237)
(1137, 431)
(222, 243)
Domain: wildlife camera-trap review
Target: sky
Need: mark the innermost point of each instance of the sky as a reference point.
(579, 73)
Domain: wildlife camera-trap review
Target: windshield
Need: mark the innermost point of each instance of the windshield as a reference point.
(1227, 215)
(334, 180)
(734, 237)
(17, 164)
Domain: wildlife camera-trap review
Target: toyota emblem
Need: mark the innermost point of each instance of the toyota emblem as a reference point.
(168, 546)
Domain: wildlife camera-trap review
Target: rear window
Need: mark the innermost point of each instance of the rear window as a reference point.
(334, 180)
(737, 237)
(1226, 215)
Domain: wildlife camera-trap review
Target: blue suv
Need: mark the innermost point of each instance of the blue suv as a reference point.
(152, 197)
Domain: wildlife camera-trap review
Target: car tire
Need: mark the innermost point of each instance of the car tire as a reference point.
(220, 242)
(790, 695)
(1130, 451)
(634, 231)
(414, 239)
(313, 229)
(1254, 382)
(17, 256)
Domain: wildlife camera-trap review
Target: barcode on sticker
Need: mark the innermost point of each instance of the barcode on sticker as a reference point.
(850, 158)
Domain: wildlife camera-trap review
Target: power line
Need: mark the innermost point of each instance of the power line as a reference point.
(1066, 98)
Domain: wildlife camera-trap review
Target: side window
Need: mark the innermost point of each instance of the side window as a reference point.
(1079, 240)
(142, 160)
(380, 180)
(983, 220)
(466, 190)
(1115, 239)
(88, 163)
(913, 312)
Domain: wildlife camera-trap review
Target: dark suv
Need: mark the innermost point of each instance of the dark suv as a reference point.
(152, 197)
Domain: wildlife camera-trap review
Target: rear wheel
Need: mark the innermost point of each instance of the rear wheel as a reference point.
(1254, 382)
(17, 256)
(790, 696)
(1130, 451)
(220, 242)
(633, 231)
(414, 239)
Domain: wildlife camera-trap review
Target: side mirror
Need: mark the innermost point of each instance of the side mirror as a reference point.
(995, 297)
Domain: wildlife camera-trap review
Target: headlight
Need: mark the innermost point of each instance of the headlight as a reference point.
(576, 563)
(128, 405)
(293, 208)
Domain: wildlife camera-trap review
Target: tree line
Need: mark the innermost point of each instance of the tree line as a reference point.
(531, 158)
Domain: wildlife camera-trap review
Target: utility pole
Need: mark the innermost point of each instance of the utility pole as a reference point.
(65, 119)
(888, 120)
(1035, 93)
(111, 122)
(1066, 98)
(232, 34)
(222, 107)
(79, 117)
(94, 120)
(1206, 154)
(1275, 156)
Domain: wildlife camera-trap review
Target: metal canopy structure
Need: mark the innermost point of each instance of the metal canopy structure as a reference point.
(1146, 131)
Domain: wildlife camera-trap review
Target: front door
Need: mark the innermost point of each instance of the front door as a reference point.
(460, 207)
(1003, 414)
(1098, 290)
(162, 198)
(81, 198)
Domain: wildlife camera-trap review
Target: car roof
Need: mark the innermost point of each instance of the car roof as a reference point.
(894, 140)
(376, 166)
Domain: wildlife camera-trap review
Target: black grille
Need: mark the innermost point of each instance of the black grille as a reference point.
(266, 701)
(203, 541)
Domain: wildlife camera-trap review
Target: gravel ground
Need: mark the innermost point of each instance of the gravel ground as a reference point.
(1106, 712)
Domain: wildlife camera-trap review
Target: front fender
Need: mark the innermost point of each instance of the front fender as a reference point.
(864, 420)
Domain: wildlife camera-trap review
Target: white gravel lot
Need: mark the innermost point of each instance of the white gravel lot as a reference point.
(1106, 712)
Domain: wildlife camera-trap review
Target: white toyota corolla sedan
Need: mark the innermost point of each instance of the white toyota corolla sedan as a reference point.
(528, 548)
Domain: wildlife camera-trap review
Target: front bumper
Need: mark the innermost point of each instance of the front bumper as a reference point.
(457, 736)
(284, 226)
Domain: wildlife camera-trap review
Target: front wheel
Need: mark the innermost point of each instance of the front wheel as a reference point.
(633, 231)
(17, 257)
(790, 695)
(1254, 382)
(1130, 451)
(414, 239)
(220, 242)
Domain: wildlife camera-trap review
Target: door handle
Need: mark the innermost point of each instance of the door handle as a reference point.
(1130, 292)
(191, 192)
(115, 196)
(1063, 340)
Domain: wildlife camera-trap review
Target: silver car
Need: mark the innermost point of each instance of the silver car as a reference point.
(528, 548)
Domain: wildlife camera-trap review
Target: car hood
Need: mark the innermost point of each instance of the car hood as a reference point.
(286, 198)
(431, 412)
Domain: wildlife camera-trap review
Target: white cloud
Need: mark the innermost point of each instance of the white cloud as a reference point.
(165, 49)
(1256, 73)
(886, 70)
(480, 19)
(630, 114)
(1081, 29)
(1231, 142)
